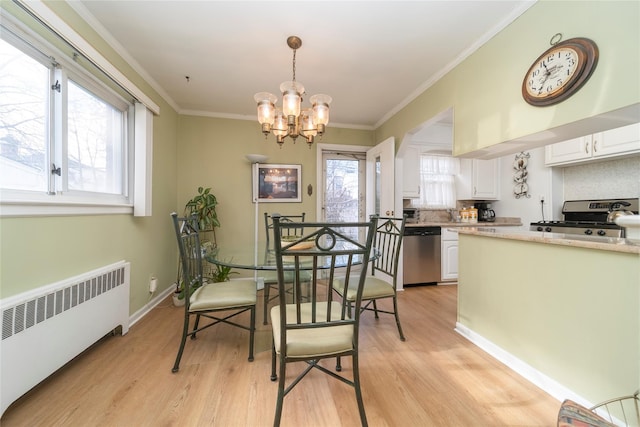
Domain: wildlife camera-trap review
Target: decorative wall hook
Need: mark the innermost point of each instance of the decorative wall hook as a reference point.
(521, 188)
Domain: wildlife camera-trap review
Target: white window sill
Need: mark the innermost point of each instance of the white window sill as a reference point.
(37, 208)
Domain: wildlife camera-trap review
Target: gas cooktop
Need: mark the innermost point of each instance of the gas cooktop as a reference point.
(587, 217)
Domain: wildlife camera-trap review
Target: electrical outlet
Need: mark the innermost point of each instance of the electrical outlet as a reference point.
(541, 199)
(153, 285)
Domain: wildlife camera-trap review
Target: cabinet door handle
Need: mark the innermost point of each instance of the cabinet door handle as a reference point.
(586, 147)
(595, 145)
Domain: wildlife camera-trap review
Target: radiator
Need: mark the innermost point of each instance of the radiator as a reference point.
(45, 328)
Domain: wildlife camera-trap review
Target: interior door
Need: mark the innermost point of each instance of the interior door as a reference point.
(380, 176)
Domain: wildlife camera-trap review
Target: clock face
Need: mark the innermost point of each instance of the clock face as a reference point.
(560, 72)
(552, 73)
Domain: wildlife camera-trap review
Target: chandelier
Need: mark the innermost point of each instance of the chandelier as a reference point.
(291, 120)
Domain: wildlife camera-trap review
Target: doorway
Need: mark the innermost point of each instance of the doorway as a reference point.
(343, 186)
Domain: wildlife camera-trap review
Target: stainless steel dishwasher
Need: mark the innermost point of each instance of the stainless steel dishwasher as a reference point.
(421, 255)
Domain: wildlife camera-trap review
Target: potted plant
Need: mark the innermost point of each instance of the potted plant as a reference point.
(203, 205)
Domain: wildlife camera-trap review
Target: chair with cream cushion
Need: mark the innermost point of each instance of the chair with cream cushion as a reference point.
(230, 298)
(388, 241)
(270, 279)
(318, 327)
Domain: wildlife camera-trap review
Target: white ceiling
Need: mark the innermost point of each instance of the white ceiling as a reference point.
(372, 57)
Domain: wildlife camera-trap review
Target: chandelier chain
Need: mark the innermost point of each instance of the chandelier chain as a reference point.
(294, 65)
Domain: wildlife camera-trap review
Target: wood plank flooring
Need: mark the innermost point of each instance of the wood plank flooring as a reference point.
(435, 378)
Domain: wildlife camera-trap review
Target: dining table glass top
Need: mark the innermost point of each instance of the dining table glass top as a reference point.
(262, 257)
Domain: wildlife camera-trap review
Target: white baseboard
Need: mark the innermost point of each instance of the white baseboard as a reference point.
(160, 296)
(542, 381)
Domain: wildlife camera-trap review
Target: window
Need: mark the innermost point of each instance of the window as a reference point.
(437, 182)
(70, 132)
(60, 132)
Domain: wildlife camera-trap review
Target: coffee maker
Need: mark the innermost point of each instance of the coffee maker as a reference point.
(485, 213)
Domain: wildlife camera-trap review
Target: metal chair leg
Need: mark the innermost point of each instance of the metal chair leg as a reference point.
(267, 288)
(273, 363)
(185, 332)
(278, 415)
(395, 312)
(195, 327)
(356, 385)
(375, 309)
(252, 330)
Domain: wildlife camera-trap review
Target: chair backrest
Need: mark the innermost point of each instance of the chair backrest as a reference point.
(188, 236)
(326, 248)
(624, 410)
(388, 241)
(295, 231)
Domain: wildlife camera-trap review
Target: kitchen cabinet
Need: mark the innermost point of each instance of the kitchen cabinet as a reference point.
(602, 145)
(478, 180)
(449, 255)
(411, 173)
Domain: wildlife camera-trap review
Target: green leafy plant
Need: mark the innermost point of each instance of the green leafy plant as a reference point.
(180, 290)
(204, 206)
(222, 273)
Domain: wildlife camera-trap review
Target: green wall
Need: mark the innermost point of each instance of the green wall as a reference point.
(194, 151)
(212, 154)
(485, 89)
(570, 313)
(37, 251)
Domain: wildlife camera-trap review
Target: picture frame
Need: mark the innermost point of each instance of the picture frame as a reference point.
(274, 183)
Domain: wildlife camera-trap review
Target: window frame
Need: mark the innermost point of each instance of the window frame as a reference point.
(35, 203)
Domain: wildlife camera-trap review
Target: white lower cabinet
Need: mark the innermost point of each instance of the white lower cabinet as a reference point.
(449, 255)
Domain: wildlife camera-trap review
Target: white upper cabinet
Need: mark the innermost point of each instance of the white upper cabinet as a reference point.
(411, 173)
(612, 143)
(478, 180)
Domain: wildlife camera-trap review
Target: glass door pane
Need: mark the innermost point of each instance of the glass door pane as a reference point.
(343, 187)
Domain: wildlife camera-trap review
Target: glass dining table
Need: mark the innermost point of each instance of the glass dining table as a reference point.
(260, 257)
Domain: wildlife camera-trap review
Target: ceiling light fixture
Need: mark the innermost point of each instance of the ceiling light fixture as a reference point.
(291, 120)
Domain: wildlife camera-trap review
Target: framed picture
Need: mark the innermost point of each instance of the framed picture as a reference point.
(277, 183)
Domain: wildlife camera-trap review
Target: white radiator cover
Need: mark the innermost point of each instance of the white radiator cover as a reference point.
(45, 328)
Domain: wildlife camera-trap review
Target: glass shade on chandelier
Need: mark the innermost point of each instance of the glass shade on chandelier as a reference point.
(292, 120)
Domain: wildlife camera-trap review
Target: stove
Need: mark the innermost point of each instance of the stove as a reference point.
(588, 217)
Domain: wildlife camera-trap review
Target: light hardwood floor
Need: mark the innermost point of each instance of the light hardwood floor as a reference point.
(435, 378)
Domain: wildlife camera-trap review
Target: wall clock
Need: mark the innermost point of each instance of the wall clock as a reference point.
(560, 71)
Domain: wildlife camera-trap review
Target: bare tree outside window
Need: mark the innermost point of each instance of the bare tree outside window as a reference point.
(93, 157)
(33, 138)
(23, 111)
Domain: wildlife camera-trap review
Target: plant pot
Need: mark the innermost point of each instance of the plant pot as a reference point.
(177, 301)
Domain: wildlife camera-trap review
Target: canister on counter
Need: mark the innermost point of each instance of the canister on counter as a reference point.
(464, 214)
(473, 215)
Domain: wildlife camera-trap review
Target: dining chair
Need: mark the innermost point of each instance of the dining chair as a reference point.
(619, 411)
(270, 278)
(318, 327)
(218, 302)
(383, 281)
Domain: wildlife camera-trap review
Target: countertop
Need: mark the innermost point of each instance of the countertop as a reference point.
(613, 244)
(499, 222)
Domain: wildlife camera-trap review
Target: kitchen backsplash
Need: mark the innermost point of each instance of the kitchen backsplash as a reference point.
(603, 180)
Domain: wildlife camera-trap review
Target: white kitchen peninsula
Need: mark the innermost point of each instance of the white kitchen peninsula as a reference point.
(563, 311)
